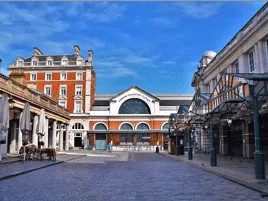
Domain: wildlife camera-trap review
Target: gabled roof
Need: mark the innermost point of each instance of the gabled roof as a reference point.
(137, 88)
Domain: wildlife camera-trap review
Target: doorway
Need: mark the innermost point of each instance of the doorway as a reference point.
(78, 140)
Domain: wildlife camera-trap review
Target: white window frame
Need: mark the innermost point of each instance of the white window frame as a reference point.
(31, 77)
(47, 75)
(235, 67)
(76, 86)
(61, 86)
(63, 62)
(252, 52)
(19, 63)
(34, 62)
(63, 101)
(78, 74)
(49, 62)
(75, 106)
(61, 78)
(79, 62)
(48, 86)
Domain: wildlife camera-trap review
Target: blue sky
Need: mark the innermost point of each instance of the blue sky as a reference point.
(153, 45)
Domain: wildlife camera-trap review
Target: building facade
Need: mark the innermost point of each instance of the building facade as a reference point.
(131, 120)
(245, 56)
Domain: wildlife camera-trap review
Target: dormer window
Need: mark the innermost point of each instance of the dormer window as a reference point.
(79, 62)
(19, 63)
(49, 62)
(34, 63)
(64, 62)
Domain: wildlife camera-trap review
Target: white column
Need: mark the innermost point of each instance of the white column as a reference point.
(257, 58)
(85, 139)
(261, 56)
(67, 137)
(35, 136)
(54, 134)
(19, 138)
(46, 134)
(61, 138)
(13, 137)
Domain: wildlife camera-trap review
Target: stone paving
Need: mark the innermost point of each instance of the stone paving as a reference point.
(127, 176)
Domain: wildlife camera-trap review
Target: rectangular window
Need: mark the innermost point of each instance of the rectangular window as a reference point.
(236, 67)
(48, 76)
(64, 62)
(48, 90)
(33, 77)
(19, 63)
(251, 61)
(79, 76)
(34, 63)
(79, 62)
(78, 90)
(62, 104)
(63, 76)
(63, 91)
(78, 107)
(49, 62)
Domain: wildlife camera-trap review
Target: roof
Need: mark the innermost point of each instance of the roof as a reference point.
(250, 76)
(135, 87)
(54, 57)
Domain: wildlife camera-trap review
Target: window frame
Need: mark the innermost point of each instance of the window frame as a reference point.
(19, 63)
(80, 74)
(81, 108)
(48, 86)
(252, 52)
(50, 76)
(61, 74)
(31, 77)
(63, 61)
(61, 86)
(79, 62)
(33, 63)
(65, 103)
(76, 86)
(266, 48)
(48, 61)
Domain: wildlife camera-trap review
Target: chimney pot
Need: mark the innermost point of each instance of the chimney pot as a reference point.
(90, 59)
(37, 52)
(76, 50)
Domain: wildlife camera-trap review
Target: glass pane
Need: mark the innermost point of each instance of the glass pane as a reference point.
(134, 106)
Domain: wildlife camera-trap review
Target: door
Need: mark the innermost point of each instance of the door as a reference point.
(78, 141)
(100, 144)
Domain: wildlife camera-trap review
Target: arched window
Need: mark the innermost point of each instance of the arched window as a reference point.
(134, 106)
(126, 137)
(100, 127)
(143, 137)
(78, 126)
(165, 126)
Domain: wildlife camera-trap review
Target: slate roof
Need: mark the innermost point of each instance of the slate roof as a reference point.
(54, 57)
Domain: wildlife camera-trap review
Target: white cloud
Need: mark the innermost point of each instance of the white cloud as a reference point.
(116, 72)
(164, 22)
(104, 12)
(137, 59)
(197, 10)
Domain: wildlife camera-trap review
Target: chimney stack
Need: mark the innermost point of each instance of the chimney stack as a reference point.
(76, 50)
(37, 52)
(90, 55)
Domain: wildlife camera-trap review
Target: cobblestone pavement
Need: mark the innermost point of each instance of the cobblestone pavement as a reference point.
(127, 176)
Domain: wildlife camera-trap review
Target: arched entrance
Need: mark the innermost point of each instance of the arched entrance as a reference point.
(126, 138)
(100, 138)
(78, 130)
(143, 138)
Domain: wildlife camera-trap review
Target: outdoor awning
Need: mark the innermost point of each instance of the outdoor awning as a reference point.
(126, 131)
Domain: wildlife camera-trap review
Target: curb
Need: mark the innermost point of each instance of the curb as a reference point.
(7, 162)
(34, 169)
(255, 187)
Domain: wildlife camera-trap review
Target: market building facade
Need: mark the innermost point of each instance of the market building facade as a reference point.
(131, 120)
